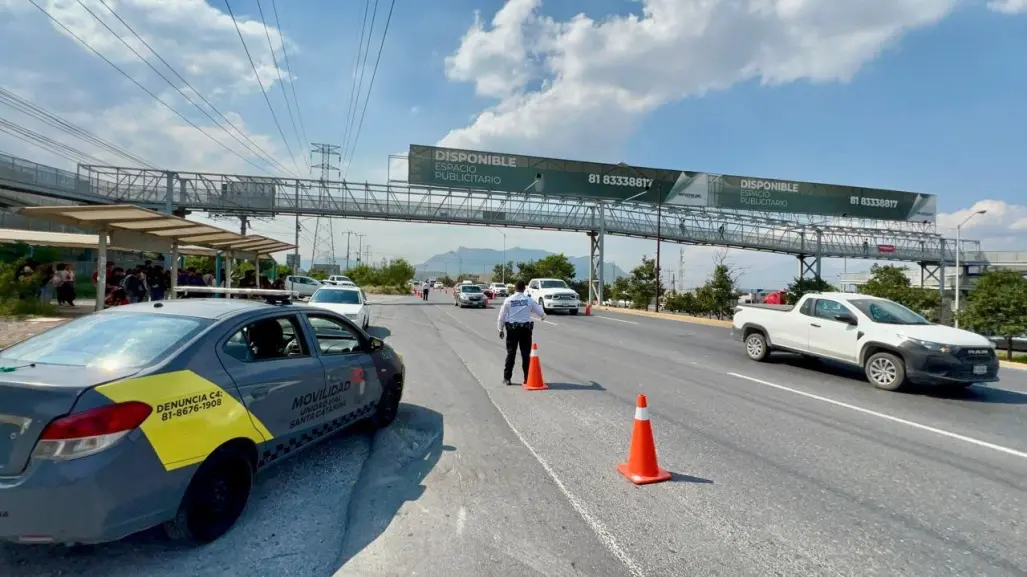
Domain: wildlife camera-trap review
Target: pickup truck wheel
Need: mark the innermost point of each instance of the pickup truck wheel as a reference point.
(756, 347)
(886, 371)
(542, 304)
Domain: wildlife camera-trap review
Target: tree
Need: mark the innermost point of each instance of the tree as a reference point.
(445, 280)
(721, 288)
(890, 282)
(390, 273)
(997, 306)
(801, 286)
(620, 289)
(201, 263)
(642, 285)
(501, 272)
(552, 266)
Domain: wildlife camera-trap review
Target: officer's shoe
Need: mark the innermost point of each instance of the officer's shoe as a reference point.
(507, 382)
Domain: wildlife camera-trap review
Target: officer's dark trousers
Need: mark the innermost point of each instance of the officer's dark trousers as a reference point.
(517, 336)
(424, 294)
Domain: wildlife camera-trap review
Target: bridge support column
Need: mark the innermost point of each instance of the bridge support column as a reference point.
(595, 266)
(809, 266)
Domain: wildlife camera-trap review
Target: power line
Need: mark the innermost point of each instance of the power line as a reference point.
(261, 84)
(48, 144)
(292, 82)
(278, 71)
(27, 108)
(370, 87)
(262, 154)
(143, 88)
(354, 98)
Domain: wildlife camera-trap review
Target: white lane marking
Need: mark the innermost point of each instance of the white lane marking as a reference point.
(613, 319)
(915, 425)
(597, 526)
(461, 519)
(551, 323)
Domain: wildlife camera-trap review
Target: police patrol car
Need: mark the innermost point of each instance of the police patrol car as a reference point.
(160, 413)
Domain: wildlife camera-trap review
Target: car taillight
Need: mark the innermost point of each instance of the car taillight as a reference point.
(89, 432)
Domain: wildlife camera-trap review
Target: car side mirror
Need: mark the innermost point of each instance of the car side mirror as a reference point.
(376, 344)
(846, 318)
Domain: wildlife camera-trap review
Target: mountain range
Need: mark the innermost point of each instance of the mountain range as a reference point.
(482, 260)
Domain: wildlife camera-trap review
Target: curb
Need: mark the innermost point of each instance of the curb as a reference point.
(671, 317)
(1013, 365)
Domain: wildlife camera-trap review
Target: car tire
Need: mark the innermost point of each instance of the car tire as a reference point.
(542, 304)
(215, 499)
(574, 311)
(388, 405)
(886, 371)
(756, 347)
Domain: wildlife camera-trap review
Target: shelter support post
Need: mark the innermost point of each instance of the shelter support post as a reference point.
(174, 271)
(228, 269)
(256, 266)
(217, 268)
(101, 269)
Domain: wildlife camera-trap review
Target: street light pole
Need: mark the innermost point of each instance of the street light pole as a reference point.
(659, 223)
(504, 252)
(958, 270)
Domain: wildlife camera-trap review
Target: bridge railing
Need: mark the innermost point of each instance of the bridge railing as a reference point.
(234, 194)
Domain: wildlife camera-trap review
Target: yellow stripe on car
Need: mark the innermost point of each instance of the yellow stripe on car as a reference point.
(191, 417)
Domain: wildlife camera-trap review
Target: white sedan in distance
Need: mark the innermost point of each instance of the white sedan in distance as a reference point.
(344, 300)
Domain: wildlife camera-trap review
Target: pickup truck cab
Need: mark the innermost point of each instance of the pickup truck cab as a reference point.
(892, 344)
(553, 294)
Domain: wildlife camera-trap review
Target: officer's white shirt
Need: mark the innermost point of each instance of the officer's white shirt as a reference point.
(518, 309)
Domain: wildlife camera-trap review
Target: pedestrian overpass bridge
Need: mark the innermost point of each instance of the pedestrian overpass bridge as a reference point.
(810, 239)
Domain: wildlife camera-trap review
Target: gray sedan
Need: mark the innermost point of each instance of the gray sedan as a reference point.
(469, 295)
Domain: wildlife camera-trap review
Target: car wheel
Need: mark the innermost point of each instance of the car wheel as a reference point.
(542, 304)
(885, 371)
(388, 405)
(214, 500)
(756, 347)
(574, 311)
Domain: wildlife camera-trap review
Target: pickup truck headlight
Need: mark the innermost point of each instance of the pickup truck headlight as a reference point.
(931, 346)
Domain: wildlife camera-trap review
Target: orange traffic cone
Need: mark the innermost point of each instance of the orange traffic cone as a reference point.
(588, 309)
(642, 468)
(535, 382)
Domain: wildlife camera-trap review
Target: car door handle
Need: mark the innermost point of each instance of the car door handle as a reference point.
(814, 325)
(259, 393)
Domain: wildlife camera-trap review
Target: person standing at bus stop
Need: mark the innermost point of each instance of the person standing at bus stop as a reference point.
(516, 326)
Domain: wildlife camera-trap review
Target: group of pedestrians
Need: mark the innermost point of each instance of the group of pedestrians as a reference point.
(56, 280)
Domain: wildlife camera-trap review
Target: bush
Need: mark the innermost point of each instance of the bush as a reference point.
(28, 307)
(394, 274)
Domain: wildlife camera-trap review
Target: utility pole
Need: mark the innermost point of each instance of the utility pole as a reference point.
(327, 156)
(681, 270)
(360, 247)
(659, 222)
(296, 251)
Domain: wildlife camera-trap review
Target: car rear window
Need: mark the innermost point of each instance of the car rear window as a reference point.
(470, 289)
(123, 340)
(337, 297)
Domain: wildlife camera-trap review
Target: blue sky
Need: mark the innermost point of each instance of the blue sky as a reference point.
(923, 95)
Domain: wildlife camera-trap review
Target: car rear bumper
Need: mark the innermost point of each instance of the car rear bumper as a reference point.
(95, 499)
(928, 367)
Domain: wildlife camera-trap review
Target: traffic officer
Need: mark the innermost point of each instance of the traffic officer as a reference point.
(425, 287)
(515, 322)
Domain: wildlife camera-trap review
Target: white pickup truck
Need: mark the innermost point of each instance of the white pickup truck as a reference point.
(553, 294)
(892, 344)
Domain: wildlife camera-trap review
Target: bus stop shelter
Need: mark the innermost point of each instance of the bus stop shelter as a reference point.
(79, 241)
(141, 229)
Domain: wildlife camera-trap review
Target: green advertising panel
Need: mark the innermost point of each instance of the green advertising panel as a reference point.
(452, 168)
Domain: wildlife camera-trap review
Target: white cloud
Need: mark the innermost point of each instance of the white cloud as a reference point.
(620, 67)
(1008, 6)
(198, 40)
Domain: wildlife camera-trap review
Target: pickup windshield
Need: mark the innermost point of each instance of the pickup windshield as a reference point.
(548, 284)
(888, 312)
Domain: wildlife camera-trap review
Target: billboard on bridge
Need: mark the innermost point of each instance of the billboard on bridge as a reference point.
(447, 167)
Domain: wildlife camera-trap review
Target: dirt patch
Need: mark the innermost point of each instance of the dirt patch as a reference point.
(16, 330)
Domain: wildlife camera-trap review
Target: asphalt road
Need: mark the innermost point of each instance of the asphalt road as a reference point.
(782, 468)
(785, 468)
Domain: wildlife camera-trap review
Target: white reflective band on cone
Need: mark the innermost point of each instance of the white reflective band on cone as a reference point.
(534, 352)
(641, 413)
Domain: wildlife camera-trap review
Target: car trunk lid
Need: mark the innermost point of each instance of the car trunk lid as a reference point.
(31, 397)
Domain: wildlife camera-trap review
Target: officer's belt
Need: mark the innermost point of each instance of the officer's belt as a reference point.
(520, 325)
